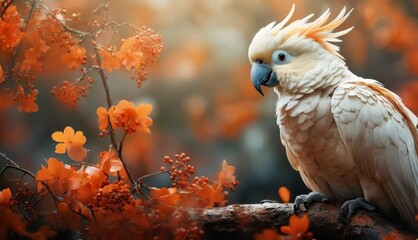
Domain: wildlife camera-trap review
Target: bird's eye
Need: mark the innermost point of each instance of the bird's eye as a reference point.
(281, 57)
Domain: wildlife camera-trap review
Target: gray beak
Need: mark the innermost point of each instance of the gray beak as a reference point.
(261, 74)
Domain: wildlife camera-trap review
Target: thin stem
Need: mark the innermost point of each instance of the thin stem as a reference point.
(103, 77)
(151, 175)
(8, 159)
(139, 182)
(121, 143)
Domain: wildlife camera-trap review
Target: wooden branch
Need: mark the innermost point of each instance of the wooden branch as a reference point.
(243, 221)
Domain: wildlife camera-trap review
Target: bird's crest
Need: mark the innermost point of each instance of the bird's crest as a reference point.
(317, 30)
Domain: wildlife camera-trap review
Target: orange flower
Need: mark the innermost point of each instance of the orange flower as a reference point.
(85, 182)
(70, 142)
(109, 60)
(284, 194)
(56, 175)
(75, 57)
(27, 101)
(110, 163)
(167, 198)
(297, 227)
(126, 116)
(5, 196)
(211, 195)
(226, 177)
(68, 93)
(130, 53)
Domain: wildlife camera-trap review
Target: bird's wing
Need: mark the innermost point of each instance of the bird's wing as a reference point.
(381, 136)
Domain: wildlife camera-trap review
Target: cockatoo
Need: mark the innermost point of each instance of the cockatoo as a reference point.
(351, 139)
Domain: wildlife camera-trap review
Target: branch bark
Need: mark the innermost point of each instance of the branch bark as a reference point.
(243, 221)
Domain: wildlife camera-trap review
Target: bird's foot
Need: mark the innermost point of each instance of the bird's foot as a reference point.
(306, 199)
(348, 208)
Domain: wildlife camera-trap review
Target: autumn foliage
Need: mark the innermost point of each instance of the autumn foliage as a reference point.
(99, 198)
(92, 190)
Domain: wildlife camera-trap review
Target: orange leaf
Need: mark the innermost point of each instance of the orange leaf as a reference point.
(211, 195)
(226, 177)
(297, 226)
(168, 196)
(56, 175)
(284, 194)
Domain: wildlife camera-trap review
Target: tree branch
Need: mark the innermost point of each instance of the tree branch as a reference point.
(243, 221)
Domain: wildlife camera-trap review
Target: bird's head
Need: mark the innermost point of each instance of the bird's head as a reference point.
(296, 57)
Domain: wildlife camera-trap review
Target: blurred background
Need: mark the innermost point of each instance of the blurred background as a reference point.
(204, 102)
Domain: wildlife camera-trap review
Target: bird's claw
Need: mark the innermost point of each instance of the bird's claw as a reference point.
(348, 208)
(307, 199)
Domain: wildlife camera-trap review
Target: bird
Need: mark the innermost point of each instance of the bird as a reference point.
(351, 139)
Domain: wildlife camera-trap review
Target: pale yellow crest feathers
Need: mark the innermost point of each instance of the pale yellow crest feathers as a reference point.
(317, 30)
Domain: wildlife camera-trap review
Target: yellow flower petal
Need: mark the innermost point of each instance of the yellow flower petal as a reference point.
(79, 138)
(68, 131)
(58, 136)
(144, 109)
(61, 148)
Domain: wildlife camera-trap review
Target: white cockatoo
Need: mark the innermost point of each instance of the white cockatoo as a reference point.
(351, 139)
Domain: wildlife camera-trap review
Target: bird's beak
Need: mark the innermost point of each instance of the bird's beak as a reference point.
(262, 74)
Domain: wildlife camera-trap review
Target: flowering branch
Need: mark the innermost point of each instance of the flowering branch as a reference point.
(19, 45)
(10, 164)
(109, 104)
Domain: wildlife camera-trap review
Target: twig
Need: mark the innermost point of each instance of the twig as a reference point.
(8, 159)
(151, 175)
